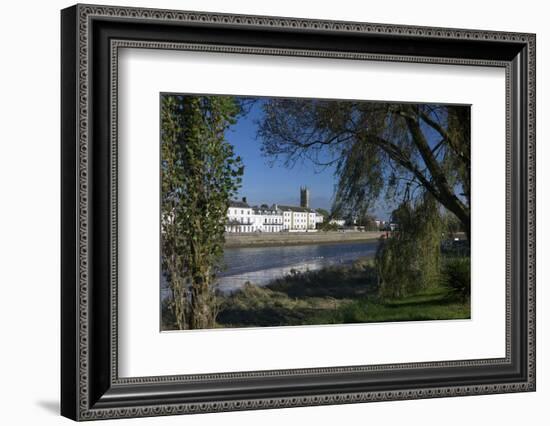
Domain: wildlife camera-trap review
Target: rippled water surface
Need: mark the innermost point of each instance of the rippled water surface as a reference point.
(261, 265)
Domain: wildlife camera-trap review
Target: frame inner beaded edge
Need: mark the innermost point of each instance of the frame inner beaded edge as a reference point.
(86, 13)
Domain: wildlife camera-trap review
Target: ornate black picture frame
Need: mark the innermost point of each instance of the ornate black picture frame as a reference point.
(91, 388)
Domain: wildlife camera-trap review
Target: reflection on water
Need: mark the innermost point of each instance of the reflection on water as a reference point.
(261, 265)
(229, 283)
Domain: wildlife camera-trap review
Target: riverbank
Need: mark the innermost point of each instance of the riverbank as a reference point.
(334, 295)
(297, 238)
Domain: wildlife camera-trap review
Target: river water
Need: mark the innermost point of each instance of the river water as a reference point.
(261, 265)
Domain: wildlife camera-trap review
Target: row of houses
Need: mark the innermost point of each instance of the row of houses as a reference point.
(241, 217)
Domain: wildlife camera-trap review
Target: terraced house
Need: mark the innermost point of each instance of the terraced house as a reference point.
(243, 218)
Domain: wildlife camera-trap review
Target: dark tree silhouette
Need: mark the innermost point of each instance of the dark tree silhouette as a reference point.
(398, 149)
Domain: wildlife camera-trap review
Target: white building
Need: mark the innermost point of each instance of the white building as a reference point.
(268, 219)
(338, 222)
(239, 217)
(242, 218)
(299, 219)
(319, 218)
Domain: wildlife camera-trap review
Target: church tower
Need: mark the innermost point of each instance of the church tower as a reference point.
(304, 197)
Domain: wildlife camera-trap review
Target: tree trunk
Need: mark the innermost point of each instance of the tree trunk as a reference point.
(202, 304)
(444, 193)
(179, 294)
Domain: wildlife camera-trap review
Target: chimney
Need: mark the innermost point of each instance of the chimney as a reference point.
(244, 199)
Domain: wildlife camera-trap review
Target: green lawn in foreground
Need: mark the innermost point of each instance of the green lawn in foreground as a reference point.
(434, 304)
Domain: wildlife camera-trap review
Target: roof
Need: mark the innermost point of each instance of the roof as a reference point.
(296, 209)
(235, 203)
(268, 211)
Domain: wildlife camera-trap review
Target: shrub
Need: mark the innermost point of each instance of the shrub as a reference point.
(397, 274)
(456, 276)
(409, 260)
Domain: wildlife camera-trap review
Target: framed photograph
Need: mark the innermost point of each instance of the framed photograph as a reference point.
(263, 212)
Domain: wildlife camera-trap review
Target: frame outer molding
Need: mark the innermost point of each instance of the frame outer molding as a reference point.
(76, 402)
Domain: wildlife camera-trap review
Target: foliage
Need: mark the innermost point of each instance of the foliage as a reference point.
(452, 225)
(332, 281)
(456, 276)
(409, 260)
(398, 149)
(200, 174)
(323, 212)
(327, 226)
(256, 306)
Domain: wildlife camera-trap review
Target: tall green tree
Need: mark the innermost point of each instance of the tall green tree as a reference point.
(402, 150)
(200, 174)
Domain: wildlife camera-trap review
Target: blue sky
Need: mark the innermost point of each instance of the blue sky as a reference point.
(263, 183)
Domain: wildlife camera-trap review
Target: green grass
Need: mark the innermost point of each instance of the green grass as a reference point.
(434, 304)
(259, 307)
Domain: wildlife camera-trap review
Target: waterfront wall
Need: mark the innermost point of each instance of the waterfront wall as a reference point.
(295, 238)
